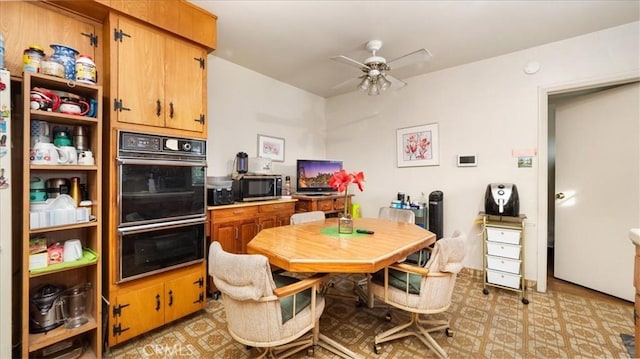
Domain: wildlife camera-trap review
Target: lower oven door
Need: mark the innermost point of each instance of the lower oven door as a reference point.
(148, 249)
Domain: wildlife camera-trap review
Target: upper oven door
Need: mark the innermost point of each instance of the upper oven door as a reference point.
(160, 190)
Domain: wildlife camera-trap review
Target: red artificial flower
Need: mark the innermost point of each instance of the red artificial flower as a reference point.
(341, 180)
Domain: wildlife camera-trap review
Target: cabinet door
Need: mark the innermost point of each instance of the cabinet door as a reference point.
(184, 295)
(247, 230)
(185, 85)
(46, 27)
(225, 233)
(267, 221)
(140, 84)
(141, 311)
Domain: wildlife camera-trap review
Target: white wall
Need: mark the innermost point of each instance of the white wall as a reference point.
(243, 104)
(489, 108)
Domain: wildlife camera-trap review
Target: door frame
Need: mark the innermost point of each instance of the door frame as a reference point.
(543, 164)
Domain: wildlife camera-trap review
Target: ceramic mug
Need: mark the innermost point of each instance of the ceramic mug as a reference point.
(86, 158)
(72, 154)
(45, 153)
(72, 250)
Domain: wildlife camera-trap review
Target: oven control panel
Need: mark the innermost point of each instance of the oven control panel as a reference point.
(146, 143)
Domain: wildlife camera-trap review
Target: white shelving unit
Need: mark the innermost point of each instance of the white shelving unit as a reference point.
(503, 253)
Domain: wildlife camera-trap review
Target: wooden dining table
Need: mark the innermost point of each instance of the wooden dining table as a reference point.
(318, 247)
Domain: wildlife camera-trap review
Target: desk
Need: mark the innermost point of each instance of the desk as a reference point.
(305, 248)
(314, 247)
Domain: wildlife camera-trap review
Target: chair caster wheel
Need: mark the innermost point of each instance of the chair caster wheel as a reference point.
(485, 291)
(216, 295)
(387, 317)
(310, 352)
(448, 332)
(377, 348)
(359, 303)
(525, 301)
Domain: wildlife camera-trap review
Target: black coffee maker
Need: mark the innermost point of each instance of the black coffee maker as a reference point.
(242, 162)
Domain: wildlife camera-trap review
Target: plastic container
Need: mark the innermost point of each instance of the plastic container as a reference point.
(1, 51)
(86, 70)
(32, 58)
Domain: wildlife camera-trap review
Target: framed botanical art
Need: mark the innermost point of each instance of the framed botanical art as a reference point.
(271, 147)
(418, 146)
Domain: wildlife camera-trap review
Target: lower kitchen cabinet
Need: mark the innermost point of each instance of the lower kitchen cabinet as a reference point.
(235, 225)
(331, 205)
(155, 302)
(503, 253)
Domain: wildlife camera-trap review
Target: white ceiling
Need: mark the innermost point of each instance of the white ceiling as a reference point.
(292, 41)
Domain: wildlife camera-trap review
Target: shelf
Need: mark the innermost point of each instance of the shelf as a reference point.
(89, 258)
(62, 118)
(64, 167)
(63, 227)
(41, 340)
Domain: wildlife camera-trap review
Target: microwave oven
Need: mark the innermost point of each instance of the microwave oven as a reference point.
(252, 187)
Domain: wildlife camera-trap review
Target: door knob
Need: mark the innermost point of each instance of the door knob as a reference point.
(560, 195)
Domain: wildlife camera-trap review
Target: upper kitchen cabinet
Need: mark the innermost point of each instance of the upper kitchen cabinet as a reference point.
(157, 79)
(48, 25)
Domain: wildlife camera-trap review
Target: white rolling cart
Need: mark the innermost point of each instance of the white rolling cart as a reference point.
(503, 253)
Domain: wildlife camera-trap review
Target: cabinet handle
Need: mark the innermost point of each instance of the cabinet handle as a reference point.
(170, 109)
(157, 302)
(236, 229)
(158, 108)
(199, 282)
(170, 298)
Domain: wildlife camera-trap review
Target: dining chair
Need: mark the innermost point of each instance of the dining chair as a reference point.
(304, 217)
(275, 313)
(421, 290)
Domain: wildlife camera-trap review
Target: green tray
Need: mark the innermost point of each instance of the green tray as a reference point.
(88, 257)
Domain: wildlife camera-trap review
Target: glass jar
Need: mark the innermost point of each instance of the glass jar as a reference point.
(32, 58)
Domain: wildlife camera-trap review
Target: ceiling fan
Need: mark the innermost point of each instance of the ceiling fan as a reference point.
(376, 78)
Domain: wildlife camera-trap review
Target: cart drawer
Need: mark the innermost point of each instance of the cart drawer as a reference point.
(503, 235)
(503, 278)
(504, 264)
(503, 250)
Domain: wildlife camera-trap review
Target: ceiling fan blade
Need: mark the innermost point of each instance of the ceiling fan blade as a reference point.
(415, 57)
(395, 82)
(349, 61)
(351, 83)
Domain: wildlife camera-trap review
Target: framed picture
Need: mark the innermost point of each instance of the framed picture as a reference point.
(271, 147)
(418, 146)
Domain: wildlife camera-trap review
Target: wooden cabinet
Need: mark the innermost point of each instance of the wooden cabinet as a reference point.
(331, 205)
(53, 227)
(503, 253)
(157, 302)
(159, 80)
(234, 226)
(18, 26)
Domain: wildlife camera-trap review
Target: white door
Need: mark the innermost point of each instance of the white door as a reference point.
(597, 189)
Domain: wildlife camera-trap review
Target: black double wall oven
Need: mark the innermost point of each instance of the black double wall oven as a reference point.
(161, 203)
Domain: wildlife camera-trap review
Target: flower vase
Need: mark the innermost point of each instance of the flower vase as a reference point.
(345, 224)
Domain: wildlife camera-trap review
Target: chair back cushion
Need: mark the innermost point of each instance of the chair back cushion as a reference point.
(448, 254)
(396, 214)
(240, 276)
(304, 217)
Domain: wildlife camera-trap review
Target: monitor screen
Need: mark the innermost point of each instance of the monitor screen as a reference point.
(313, 176)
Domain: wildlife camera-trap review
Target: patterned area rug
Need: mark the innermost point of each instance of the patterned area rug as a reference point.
(497, 325)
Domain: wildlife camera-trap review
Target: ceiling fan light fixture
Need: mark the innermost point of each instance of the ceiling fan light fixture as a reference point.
(384, 83)
(374, 89)
(365, 83)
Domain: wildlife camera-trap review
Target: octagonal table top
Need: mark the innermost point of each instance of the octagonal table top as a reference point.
(318, 247)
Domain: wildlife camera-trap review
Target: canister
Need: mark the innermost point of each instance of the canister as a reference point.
(32, 58)
(86, 70)
(52, 67)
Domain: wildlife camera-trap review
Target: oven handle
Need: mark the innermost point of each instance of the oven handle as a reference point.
(172, 224)
(149, 162)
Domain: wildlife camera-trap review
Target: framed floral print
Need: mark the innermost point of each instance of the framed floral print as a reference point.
(271, 147)
(418, 146)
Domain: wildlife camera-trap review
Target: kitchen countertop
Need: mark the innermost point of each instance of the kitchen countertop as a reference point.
(634, 235)
(256, 203)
